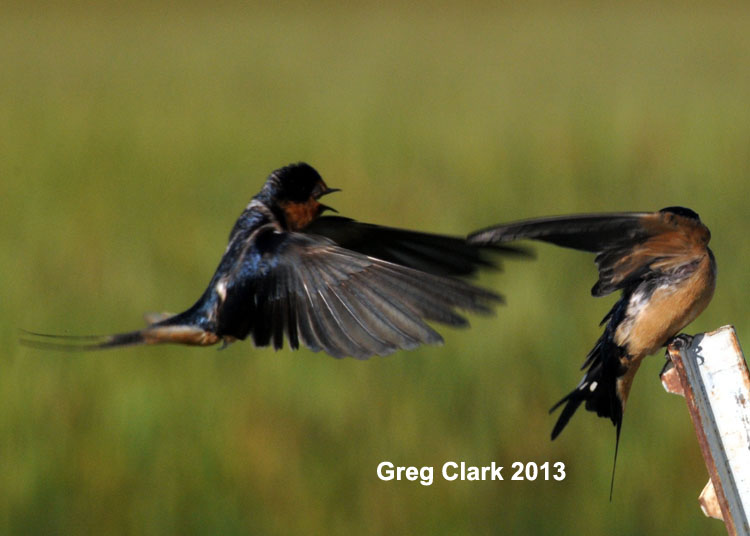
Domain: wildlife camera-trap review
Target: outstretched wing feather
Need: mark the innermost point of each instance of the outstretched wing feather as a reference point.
(348, 304)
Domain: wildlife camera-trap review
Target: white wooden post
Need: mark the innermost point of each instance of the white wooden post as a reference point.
(710, 371)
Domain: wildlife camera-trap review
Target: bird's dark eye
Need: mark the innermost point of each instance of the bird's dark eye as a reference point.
(682, 211)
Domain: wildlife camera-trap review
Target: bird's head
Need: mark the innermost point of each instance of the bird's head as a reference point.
(296, 189)
(682, 211)
(687, 219)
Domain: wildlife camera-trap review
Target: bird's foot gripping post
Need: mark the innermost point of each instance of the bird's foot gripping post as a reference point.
(709, 370)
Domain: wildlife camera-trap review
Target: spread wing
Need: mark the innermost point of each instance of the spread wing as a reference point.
(306, 288)
(433, 253)
(629, 245)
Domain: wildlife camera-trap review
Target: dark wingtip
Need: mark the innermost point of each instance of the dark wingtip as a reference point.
(494, 297)
(519, 252)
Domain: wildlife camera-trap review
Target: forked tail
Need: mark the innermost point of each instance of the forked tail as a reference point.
(158, 333)
(599, 390)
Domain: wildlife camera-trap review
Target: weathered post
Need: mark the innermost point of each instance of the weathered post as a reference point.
(711, 373)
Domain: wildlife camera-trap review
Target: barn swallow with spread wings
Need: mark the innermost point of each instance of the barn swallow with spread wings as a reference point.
(332, 283)
(666, 272)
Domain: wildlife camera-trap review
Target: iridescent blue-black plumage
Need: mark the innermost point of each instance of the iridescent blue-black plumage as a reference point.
(330, 283)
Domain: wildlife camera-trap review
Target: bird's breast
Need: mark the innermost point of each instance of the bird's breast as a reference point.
(658, 311)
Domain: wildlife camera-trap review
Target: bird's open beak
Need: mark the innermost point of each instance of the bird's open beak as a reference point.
(327, 191)
(323, 208)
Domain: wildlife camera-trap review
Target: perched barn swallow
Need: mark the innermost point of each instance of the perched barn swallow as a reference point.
(667, 273)
(337, 285)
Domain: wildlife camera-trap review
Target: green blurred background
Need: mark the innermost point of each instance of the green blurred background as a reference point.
(131, 139)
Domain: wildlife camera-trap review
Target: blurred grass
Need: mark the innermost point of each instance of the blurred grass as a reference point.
(132, 138)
